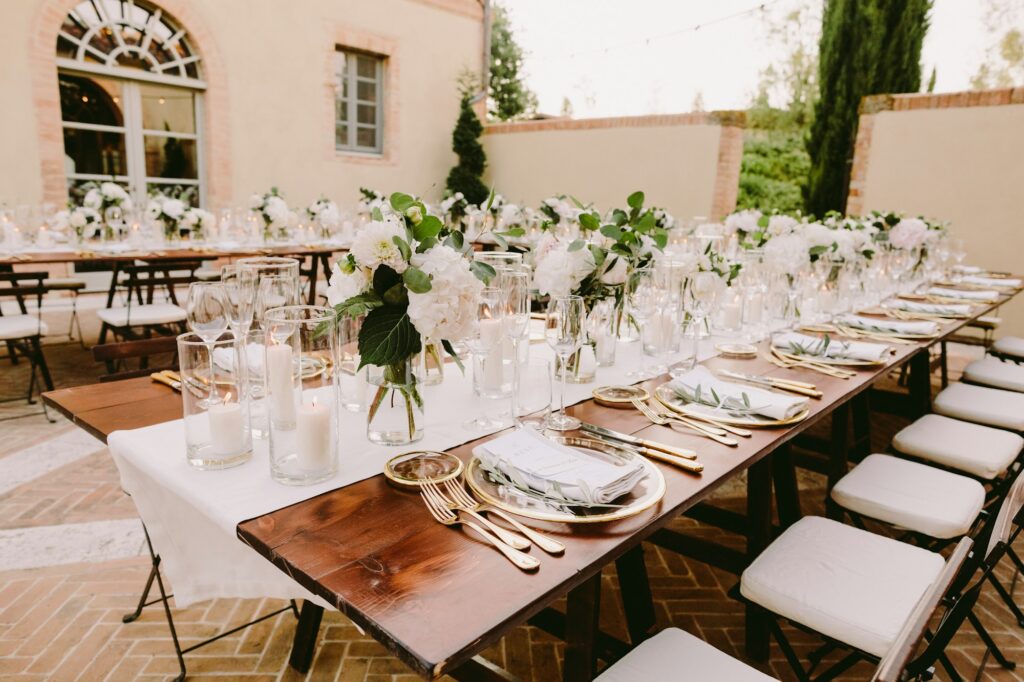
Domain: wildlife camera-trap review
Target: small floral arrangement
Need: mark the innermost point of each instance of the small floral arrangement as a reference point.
(324, 214)
(167, 213)
(560, 211)
(277, 218)
(454, 209)
(106, 195)
(83, 221)
(198, 222)
(371, 199)
(410, 276)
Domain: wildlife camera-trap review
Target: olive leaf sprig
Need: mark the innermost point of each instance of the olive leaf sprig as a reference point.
(735, 406)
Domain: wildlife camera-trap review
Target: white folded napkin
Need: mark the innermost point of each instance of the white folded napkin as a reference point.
(928, 308)
(967, 269)
(760, 401)
(847, 350)
(985, 295)
(914, 327)
(992, 281)
(530, 459)
(225, 358)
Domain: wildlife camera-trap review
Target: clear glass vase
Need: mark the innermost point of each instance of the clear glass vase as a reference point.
(581, 366)
(395, 413)
(430, 364)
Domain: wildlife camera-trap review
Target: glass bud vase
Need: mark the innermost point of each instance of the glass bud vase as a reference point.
(581, 366)
(395, 413)
(300, 359)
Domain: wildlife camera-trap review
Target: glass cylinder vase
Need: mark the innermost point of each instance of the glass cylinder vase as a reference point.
(395, 413)
(581, 366)
(215, 402)
(300, 359)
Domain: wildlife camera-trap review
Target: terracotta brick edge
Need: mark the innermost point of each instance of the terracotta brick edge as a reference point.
(873, 105)
(727, 174)
(723, 118)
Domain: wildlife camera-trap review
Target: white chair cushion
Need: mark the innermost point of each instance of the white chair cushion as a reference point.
(848, 584)
(1009, 345)
(990, 406)
(675, 654)
(21, 327)
(152, 313)
(979, 450)
(911, 495)
(994, 372)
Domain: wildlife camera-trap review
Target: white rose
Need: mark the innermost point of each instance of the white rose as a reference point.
(561, 271)
(93, 199)
(112, 191)
(77, 219)
(374, 245)
(746, 221)
(908, 233)
(449, 310)
(344, 286)
(329, 216)
(781, 224)
(255, 201)
(174, 208)
(817, 234)
(276, 209)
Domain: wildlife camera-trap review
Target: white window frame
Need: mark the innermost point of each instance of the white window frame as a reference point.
(352, 103)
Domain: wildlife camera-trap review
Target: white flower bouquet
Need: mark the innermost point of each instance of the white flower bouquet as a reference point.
(273, 210)
(410, 277)
(84, 222)
(324, 214)
(167, 213)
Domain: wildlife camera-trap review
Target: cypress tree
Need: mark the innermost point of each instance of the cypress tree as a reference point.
(509, 96)
(465, 176)
(867, 47)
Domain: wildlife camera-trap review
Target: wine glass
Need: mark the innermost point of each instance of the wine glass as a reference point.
(274, 291)
(701, 294)
(240, 290)
(207, 311)
(485, 347)
(564, 329)
(642, 292)
(514, 286)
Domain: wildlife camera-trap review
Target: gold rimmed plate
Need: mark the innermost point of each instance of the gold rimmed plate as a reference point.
(667, 397)
(620, 397)
(738, 351)
(647, 493)
(415, 468)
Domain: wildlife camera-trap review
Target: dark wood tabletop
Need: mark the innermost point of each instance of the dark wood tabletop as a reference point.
(168, 254)
(436, 597)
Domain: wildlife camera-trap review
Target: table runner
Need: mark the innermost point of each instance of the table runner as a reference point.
(191, 515)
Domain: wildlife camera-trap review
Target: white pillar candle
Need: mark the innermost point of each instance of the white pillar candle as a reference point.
(491, 337)
(227, 434)
(43, 238)
(280, 385)
(731, 315)
(314, 437)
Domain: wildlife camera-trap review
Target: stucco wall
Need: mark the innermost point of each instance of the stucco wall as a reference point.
(956, 157)
(270, 104)
(687, 163)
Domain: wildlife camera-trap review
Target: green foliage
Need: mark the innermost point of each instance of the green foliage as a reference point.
(508, 96)
(867, 47)
(466, 175)
(773, 171)
(1003, 66)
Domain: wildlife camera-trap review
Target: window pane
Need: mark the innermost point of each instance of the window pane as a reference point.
(366, 137)
(340, 110)
(367, 114)
(167, 108)
(341, 135)
(94, 151)
(366, 67)
(367, 91)
(90, 100)
(169, 157)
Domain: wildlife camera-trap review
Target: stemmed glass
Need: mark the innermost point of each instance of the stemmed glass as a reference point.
(485, 348)
(514, 285)
(642, 291)
(240, 290)
(564, 329)
(274, 291)
(700, 300)
(207, 311)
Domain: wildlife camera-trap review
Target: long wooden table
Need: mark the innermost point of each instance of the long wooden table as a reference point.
(437, 598)
(156, 255)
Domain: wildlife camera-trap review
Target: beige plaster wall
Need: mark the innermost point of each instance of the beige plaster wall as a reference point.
(964, 164)
(20, 177)
(687, 163)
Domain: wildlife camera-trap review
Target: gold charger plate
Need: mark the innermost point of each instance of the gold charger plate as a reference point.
(412, 469)
(647, 493)
(620, 397)
(668, 398)
(849, 362)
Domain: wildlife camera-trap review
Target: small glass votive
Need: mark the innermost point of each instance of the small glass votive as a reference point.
(601, 328)
(255, 385)
(216, 406)
(301, 357)
(353, 384)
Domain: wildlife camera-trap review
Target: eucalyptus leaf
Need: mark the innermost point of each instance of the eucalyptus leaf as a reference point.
(430, 226)
(376, 214)
(484, 272)
(635, 200)
(589, 221)
(416, 280)
(401, 202)
(612, 232)
(403, 246)
(576, 245)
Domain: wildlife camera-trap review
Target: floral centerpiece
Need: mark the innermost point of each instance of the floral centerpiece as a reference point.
(198, 223)
(370, 199)
(560, 211)
(454, 210)
(325, 215)
(104, 198)
(273, 210)
(84, 222)
(410, 277)
(166, 212)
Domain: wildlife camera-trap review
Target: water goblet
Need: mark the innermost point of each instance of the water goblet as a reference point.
(564, 329)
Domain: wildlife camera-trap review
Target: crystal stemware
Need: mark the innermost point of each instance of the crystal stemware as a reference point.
(564, 329)
(207, 312)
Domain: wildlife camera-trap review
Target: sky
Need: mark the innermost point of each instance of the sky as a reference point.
(626, 57)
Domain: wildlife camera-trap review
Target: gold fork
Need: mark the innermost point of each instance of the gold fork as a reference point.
(703, 430)
(662, 409)
(509, 538)
(442, 514)
(791, 361)
(467, 503)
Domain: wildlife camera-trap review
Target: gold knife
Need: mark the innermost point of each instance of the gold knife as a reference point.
(635, 440)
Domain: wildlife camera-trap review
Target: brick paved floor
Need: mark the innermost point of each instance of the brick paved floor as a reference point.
(63, 622)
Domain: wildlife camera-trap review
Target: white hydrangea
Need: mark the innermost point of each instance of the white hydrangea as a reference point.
(560, 271)
(781, 224)
(449, 310)
(374, 245)
(93, 199)
(343, 286)
(277, 210)
(256, 201)
(77, 219)
(510, 215)
(173, 208)
(787, 253)
(745, 220)
(329, 215)
(817, 234)
(908, 233)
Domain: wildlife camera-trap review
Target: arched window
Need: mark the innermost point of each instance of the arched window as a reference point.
(131, 95)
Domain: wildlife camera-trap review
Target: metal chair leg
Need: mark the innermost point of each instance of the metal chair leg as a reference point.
(989, 642)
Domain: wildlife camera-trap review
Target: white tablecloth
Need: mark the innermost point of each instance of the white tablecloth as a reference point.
(191, 515)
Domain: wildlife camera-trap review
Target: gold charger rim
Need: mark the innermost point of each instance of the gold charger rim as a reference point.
(600, 396)
(410, 483)
(554, 517)
(737, 421)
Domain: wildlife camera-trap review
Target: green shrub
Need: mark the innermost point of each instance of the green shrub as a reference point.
(773, 171)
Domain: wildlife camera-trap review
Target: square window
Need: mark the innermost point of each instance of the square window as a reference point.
(358, 98)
